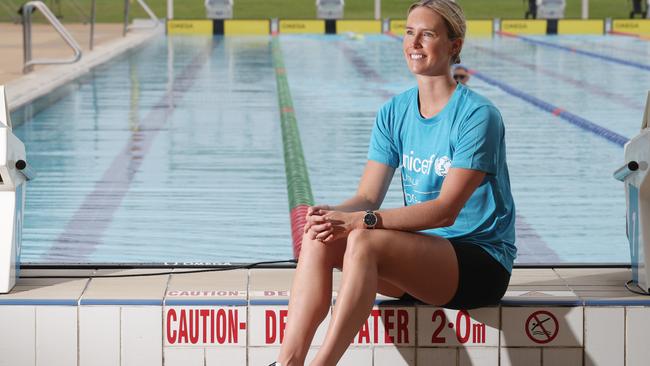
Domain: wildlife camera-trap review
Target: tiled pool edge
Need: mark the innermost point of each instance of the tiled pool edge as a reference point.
(139, 321)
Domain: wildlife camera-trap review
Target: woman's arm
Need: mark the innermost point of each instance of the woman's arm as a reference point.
(456, 189)
(458, 186)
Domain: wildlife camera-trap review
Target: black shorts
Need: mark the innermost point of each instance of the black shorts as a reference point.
(482, 280)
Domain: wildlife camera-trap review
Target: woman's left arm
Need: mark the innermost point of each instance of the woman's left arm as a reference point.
(458, 186)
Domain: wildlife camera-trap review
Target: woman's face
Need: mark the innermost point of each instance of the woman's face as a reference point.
(427, 47)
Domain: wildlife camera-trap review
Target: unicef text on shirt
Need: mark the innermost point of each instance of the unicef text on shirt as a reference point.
(423, 166)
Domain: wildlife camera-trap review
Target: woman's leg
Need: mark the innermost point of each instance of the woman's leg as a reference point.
(424, 266)
(310, 297)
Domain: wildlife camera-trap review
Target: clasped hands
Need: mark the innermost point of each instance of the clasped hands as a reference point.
(325, 225)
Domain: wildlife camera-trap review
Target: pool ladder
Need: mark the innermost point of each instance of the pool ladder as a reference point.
(26, 11)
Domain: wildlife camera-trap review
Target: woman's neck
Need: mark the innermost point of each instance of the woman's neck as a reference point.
(433, 93)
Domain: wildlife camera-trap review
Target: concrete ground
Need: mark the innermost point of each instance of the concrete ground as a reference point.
(47, 43)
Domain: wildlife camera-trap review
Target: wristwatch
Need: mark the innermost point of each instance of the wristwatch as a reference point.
(370, 219)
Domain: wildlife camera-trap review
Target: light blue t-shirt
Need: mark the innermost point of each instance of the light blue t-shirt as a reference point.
(468, 133)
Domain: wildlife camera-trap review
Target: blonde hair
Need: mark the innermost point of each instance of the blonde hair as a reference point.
(453, 16)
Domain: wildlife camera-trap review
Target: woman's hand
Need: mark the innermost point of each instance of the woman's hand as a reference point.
(337, 224)
(316, 226)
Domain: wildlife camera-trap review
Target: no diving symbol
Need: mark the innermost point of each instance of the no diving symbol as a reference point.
(542, 327)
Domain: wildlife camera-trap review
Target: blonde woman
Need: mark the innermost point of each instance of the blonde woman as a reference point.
(452, 244)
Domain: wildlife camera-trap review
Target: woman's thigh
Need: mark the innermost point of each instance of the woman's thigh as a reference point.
(424, 266)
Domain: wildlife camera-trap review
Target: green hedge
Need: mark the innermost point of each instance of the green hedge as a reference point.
(112, 11)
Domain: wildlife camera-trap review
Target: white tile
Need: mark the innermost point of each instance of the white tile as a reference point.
(18, 335)
(398, 356)
(604, 336)
(440, 327)
(356, 356)
(183, 356)
(437, 356)
(478, 356)
(56, 335)
(541, 327)
(204, 326)
(141, 336)
(388, 326)
(217, 356)
(637, 352)
(562, 357)
(262, 355)
(267, 324)
(99, 336)
(521, 356)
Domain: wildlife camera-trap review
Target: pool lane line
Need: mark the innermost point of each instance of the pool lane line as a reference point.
(578, 51)
(574, 119)
(298, 185)
(591, 88)
(626, 34)
(97, 210)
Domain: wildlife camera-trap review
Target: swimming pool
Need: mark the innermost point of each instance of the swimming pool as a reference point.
(173, 153)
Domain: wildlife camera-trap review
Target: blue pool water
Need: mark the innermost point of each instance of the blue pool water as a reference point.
(173, 152)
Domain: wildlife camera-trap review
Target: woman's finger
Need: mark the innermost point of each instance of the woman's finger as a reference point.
(321, 227)
(329, 238)
(324, 234)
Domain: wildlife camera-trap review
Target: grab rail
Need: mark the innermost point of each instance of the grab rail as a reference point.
(26, 11)
(145, 7)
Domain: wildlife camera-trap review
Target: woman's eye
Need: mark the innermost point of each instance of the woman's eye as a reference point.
(409, 32)
(429, 34)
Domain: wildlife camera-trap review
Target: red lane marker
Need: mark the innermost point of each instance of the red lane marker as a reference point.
(507, 34)
(557, 111)
(287, 110)
(298, 222)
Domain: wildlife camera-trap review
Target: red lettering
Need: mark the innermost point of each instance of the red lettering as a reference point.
(269, 293)
(182, 328)
(204, 315)
(375, 313)
(221, 326)
(283, 323)
(233, 322)
(388, 325)
(194, 326)
(402, 326)
(172, 293)
(283, 293)
(212, 326)
(364, 333)
(171, 335)
(270, 326)
(234, 293)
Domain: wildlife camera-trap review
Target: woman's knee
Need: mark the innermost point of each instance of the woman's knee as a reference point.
(314, 250)
(360, 244)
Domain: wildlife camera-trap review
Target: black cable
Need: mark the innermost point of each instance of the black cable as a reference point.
(627, 286)
(243, 266)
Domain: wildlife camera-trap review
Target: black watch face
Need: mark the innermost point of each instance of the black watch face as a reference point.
(370, 219)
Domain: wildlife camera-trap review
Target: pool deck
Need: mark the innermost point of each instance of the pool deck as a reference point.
(46, 43)
(238, 317)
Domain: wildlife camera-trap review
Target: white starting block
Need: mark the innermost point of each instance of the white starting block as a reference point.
(330, 9)
(637, 196)
(550, 9)
(14, 173)
(218, 9)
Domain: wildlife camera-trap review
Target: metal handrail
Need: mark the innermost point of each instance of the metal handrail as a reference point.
(146, 8)
(27, 37)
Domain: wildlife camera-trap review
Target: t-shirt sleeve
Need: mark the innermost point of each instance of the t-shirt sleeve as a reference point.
(479, 140)
(382, 146)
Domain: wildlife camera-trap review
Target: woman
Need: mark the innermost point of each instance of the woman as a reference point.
(452, 244)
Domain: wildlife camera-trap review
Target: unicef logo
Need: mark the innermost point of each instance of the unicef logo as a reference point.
(442, 166)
